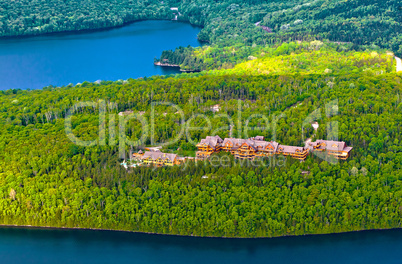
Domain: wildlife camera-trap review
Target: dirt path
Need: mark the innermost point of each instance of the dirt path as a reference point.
(398, 64)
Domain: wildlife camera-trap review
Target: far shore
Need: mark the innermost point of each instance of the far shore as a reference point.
(92, 30)
(175, 235)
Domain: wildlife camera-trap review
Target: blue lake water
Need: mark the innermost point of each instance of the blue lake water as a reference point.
(22, 245)
(119, 53)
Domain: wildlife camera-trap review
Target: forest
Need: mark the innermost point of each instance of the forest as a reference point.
(240, 30)
(47, 180)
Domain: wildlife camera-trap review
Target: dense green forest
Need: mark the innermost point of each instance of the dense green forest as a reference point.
(292, 57)
(46, 180)
(241, 29)
(241, 25)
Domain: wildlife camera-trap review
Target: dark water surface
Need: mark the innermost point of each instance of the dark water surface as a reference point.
(23, 245)
(119, 53)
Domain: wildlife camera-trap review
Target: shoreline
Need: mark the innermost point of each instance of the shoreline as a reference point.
(158, 63)
(94, 30)
(189, 236)
(166, 64)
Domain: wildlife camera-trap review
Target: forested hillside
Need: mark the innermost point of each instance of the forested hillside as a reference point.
(46, 180)
(302, 57)
(314, 58)
(242, 29)
(238, 24)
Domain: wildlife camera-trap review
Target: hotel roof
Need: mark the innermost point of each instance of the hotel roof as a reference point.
(154, 155)
(211, 141)
(235, 141)
(329, 145)
(290, 149)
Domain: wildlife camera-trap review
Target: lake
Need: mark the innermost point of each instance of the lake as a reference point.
(113, 54)
(24, 245)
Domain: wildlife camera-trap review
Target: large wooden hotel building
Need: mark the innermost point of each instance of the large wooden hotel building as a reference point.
(257, 147)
